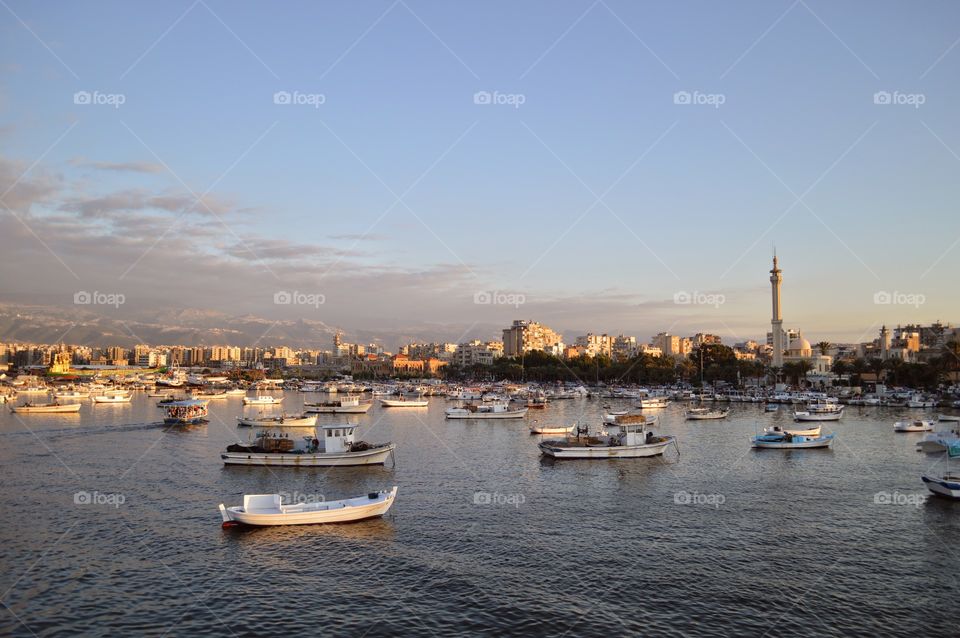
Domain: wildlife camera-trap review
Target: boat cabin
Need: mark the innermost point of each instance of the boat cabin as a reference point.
(337, 437)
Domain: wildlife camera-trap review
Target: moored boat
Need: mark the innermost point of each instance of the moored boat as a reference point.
(264, 399)
(346, 405)
(704, 414)
(112, 397)
(497, 410)
(329, 446)
(917, 425)
(269, 510)
(554, 429)
(54, 407)
(777, 430)
(289, 421)
(631, 436)
(403, 402)
(819, 414)
(787, 441)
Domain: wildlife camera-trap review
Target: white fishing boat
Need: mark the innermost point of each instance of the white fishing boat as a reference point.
(403, 402)
(704, 414)
(33, 389)
(551, 429)
(330, 446)
(346, 405)
(947, 484)
(236, 392)
(112, 397)
(263, 399)
(917, 425)
(777, 430)
(818, 413)
(652, 403)
(188, 412)
(920, 401)
(268, 510)
(282, 421)
(499, 410)
(208, 396)
(54, 407)
(787, 441)
(158, 395)
(772, 407)
(631, 436)
(70, 394)
(948, 418)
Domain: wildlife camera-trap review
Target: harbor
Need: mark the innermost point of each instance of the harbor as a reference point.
(480, 523)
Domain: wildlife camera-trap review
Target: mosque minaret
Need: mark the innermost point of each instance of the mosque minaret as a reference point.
(776, 324)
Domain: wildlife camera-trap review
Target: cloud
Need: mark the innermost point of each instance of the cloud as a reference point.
(361, 237)
(120, 167)
(139, 200)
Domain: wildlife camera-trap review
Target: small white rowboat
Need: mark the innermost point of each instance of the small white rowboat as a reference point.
(268, 510)
(546, 429)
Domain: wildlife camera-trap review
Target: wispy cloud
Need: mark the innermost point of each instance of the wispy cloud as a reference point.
(117, 167)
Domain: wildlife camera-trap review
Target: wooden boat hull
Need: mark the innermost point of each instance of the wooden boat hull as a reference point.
(278, 423)
(706, 416)
(374, 456)
(537, 430)
(551, 449)
(512, 414)
(814, 416)
(394, 403)
(346, 511)
(328, 409)
(821, 442)
(46, 409)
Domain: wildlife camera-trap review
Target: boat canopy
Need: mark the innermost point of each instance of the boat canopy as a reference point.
(185, 404)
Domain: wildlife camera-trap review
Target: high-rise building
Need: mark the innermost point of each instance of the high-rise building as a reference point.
(524, 336)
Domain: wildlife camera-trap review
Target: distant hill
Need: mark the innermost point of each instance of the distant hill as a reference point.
(193, 327)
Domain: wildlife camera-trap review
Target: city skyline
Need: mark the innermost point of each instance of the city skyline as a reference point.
(408, 178)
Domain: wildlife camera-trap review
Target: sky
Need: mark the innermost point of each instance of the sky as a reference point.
(603, 166)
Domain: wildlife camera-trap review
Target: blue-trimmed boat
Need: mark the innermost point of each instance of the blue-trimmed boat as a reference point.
(947, 485)
(787, 441)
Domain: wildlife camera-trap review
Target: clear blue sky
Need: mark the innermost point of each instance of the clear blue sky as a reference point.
(500, 198)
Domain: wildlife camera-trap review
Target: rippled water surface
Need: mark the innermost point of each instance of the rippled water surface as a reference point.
(486, 537)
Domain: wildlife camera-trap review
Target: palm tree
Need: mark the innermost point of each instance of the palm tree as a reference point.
(877, 365)
(840, 368)
(824, 347)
